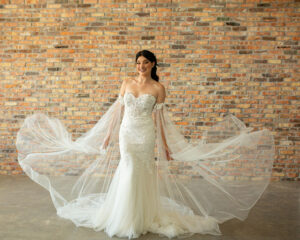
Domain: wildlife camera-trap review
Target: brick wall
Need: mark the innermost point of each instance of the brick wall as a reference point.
(68, 58)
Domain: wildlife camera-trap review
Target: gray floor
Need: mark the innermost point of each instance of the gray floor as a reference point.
(26, 212)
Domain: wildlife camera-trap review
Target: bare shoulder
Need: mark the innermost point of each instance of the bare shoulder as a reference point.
(160, 87)
(130, 80)
(127, 81)
(161, 92)
(123, 86)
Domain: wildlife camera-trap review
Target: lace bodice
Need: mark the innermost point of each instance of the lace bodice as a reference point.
(137, 132)
(139, 107)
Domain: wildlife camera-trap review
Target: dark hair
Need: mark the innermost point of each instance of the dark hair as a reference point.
(151, 57)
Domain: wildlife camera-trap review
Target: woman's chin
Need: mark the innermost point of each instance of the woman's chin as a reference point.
(143, 74)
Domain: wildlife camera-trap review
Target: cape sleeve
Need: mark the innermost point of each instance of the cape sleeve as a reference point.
(222, 175)
(70, 170)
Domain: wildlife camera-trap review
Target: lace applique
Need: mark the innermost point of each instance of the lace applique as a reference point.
(159, 105)
(137, 133)
(139, 107)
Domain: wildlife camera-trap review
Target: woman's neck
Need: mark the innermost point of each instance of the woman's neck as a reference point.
(143, 79)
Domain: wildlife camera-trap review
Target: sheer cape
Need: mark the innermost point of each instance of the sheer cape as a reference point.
(221, 176)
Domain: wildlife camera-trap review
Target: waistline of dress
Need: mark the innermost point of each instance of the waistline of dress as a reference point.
(144, 119)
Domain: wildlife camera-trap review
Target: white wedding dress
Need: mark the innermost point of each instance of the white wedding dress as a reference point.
(130, 188)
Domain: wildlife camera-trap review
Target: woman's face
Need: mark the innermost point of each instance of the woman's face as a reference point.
(144, 66)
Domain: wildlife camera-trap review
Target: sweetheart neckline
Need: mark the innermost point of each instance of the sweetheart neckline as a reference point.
(140, 95)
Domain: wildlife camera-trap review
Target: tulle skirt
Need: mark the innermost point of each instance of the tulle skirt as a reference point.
(133, 207)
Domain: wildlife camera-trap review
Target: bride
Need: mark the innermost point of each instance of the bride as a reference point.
(134, 172)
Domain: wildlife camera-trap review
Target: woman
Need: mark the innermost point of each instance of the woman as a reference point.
(134, 172)
(146, 84)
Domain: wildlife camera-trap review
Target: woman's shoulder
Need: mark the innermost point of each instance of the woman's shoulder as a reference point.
(127, 80)
(161, 92)
(160, 87)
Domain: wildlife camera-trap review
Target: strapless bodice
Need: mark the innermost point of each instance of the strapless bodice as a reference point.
(138, 107)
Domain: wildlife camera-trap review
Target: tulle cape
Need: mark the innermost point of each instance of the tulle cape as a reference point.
(221, 176)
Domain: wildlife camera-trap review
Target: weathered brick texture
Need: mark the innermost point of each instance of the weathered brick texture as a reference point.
(68, 58)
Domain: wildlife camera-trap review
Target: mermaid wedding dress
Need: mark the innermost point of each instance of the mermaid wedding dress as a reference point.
(130, 188)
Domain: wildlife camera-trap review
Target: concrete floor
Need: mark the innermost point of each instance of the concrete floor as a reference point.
(27, 213)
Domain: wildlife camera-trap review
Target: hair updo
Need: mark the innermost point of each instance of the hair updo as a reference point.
(151, 57)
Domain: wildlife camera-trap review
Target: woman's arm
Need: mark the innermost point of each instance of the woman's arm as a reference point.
(160, 99)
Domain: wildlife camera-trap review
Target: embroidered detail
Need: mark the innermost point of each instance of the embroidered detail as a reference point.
(137, 133)
(159, 105)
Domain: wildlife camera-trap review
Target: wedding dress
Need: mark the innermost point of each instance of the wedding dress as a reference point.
(130, 188)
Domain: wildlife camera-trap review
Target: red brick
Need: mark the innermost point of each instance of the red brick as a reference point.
(69, 61)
